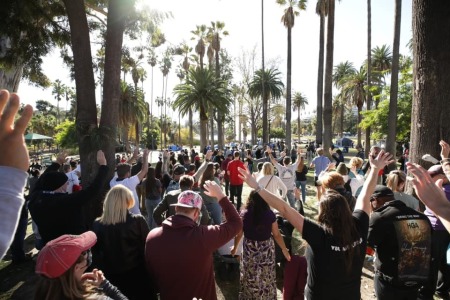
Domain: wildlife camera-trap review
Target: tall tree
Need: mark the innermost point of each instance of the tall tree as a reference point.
(299, 101)
(431, 47)
(288, 19)
(200, 32)
(354, 90)
(202, 90)
(58, 91)
(265, 132)
(322, 11)
(392, 133)
(266, 85)
(341, 71)
(328, 95)
(369, 72)
(217, 31)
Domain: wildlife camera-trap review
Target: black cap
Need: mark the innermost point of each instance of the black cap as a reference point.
(179, 170)
(382, 191)
(53, 180)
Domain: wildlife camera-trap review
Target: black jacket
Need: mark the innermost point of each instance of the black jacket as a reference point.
(60, 213)
(120, 247)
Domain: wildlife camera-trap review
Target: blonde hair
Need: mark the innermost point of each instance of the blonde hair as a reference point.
(356, 161)
(332, 179)
(395, 179)
(115, 208)
(267, 168)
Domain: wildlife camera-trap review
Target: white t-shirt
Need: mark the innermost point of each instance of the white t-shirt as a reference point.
(73, 180)
(131, 184)
(273, 184)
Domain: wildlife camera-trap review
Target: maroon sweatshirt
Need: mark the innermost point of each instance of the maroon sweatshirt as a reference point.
(179, 254)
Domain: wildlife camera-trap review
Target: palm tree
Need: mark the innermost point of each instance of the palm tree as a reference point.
(322, 11)
(58, 90)
(369, 71)
(392, 117)
(300, 101)
(354, 90)
(200, 91)
(132, 109)
(268, 81)
(288, 20)
(200, 33)
(340, 73)
(328, 96)
(216, 31)
(184, 50)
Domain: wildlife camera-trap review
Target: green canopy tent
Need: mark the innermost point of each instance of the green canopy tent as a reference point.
(36, 138)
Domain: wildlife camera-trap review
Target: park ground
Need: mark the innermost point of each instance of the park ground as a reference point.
(17, 281)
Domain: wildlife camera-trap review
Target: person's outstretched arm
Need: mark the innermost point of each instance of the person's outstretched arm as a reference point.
(383, 159)
(274, 201)
(203, 166)
(14, 162)
(430, 193)
(143, 172)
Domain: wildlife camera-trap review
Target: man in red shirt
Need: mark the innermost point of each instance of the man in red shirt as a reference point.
(236, 183)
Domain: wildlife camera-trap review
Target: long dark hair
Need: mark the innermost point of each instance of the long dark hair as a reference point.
(259, 206)
(150, 182)
(208, 174)
(158, 170)
(335, 215)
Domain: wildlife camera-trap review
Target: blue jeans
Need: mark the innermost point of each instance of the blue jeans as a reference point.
(291, 198)
(215, 210)
(150, 205)
(302, 184)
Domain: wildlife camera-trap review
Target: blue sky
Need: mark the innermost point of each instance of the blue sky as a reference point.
(243, 21)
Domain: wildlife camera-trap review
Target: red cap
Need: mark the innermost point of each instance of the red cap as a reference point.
(61, 253)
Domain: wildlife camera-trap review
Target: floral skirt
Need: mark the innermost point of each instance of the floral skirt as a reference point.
(258, 275)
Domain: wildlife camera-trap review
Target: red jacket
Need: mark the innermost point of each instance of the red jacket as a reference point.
(179, 254)
(224, 167)
(234, 173)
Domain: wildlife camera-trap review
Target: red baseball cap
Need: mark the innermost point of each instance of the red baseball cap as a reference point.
(61, 253)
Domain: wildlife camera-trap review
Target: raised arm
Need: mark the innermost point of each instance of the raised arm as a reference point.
(14, 162)
(143, 172)
(202, 168)
(274, 201)
(431, 194)
(363, 201)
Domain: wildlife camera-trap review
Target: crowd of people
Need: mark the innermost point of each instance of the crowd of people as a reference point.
(160, 227)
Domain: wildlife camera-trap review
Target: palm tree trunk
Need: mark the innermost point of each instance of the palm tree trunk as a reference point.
(327, 107)
(191, 130)
(265, 137)
(319, 120)
(392, 117)
(359, 128)
(288, 90)
(211, 126)
(10, 78)
(298, 125)
(342, 120)
(369, 72)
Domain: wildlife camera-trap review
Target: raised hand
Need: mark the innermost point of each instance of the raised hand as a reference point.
(212, 189)
(383, 159)
(95, 277)
(145, 154)
(61, 158)
(13, 151)
(445, 149)
(248, 178)
(209, 154)
(101, 160)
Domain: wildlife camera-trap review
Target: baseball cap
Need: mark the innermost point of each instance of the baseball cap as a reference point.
(435, 170)
(53, 180)
(382, 191)
(61, 253)
(189, 199)
(197, 157)
(179, 170)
